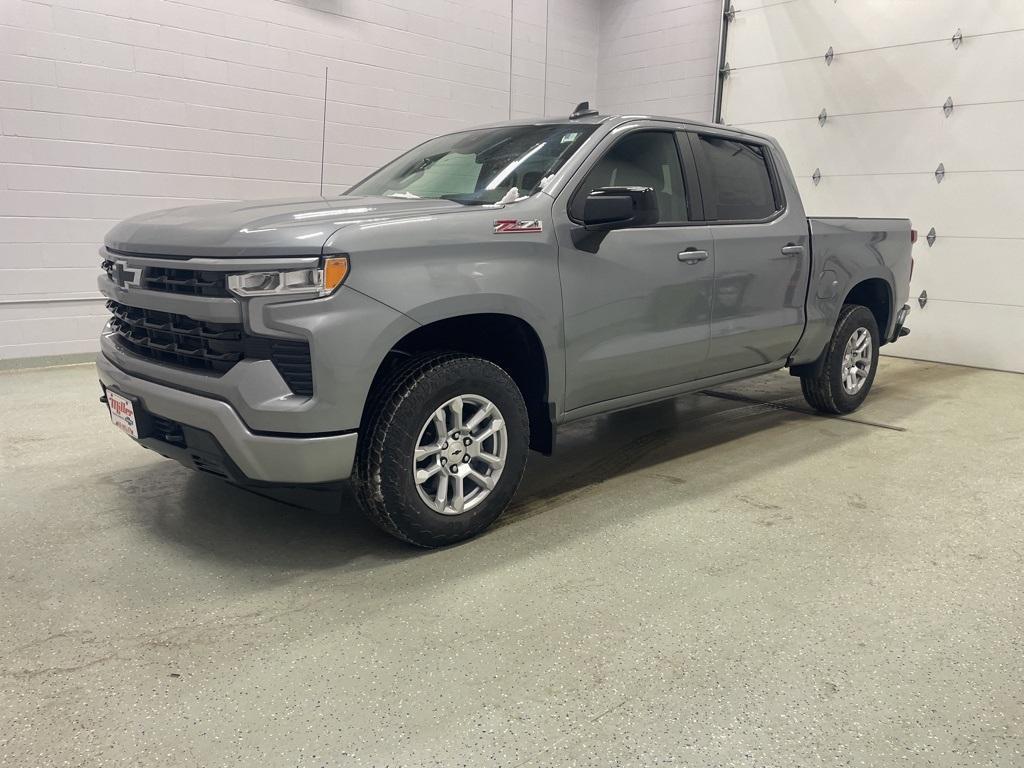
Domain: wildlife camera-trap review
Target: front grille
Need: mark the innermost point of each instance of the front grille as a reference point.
(180, 340)
(177, 339)
(191, 282)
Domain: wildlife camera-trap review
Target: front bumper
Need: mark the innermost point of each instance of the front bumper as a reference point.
(253, 456)
(348, 335)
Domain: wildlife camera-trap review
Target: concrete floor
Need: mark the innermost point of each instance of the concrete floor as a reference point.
(704, 582)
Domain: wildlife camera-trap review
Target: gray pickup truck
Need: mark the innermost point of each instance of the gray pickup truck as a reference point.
(420, 333)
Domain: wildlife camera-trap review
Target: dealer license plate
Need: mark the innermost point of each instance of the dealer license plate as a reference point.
(122, 413)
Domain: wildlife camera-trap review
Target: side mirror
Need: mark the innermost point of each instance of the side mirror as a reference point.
(610, 208)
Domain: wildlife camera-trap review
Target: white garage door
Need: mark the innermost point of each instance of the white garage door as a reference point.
(884, 133)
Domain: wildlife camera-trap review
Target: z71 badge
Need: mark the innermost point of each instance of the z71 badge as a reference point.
(517, 226)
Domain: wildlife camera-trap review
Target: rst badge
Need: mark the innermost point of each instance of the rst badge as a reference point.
(517, 226)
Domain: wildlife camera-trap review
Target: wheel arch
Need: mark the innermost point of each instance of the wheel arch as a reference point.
(876, 294)
(873, 292)
(507, 340)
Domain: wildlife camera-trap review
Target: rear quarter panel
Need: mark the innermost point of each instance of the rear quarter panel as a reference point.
(844, 253)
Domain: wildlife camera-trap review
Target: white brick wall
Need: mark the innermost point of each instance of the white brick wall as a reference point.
(555, 50)
(659, 56)
(109, 108)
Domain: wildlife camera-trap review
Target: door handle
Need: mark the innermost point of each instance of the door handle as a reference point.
(793, 250)
(692, 256)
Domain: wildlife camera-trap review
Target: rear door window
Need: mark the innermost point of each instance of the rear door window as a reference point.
(736, 180)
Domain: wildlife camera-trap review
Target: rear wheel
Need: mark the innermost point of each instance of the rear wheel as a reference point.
(443, 451)
(844, 378)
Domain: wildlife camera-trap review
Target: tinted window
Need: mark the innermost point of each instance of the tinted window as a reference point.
(735, 180)
(643, 159)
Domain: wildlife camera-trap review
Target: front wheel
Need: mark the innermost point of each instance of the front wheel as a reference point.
(847, 371)
(443, 451)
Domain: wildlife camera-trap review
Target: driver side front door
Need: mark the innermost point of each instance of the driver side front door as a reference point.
(637, 302)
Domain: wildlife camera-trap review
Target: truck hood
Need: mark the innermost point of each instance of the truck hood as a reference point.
(263, 228)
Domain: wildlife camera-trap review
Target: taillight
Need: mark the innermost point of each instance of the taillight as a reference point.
(913, 239)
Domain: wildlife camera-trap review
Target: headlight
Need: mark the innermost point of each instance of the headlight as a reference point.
(318, 281)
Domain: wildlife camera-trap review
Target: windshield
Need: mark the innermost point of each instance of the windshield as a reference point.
(477, 167)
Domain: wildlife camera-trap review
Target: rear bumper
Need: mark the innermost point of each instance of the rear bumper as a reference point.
(212, 426)
(900, 328)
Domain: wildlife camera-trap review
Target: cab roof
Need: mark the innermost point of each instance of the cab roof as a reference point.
(619, 119)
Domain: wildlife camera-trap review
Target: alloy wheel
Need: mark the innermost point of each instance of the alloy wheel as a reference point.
(857, 361)
(460, 454)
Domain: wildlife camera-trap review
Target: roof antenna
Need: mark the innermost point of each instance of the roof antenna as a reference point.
(582, 110)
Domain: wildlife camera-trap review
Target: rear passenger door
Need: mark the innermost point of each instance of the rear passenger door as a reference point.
(762, 252)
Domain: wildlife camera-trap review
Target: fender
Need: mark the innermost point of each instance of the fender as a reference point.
(353, 333)
(547, 327)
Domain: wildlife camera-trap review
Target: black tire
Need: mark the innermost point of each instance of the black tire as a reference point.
(382, 475)
(824, 390)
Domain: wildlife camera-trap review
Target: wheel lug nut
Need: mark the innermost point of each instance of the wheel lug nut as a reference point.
(443, 461)
(468, 441)
(455, 469)
(465, 459)
(444, 447)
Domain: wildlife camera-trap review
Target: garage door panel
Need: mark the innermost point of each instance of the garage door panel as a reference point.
(890, 79)
(975, 204)
(885, 135)
(982, 335)
(971, 269)
(788, 31)
(972, 138)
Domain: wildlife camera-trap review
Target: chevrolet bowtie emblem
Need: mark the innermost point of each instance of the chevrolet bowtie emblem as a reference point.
(125, 276)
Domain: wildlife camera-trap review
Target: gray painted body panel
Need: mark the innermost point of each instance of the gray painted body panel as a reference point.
(625, 324)
(636, 318)
(258, 228)
(846, 252)
(664, 393)
(758, 309)
(349, 333)
(268, 458)
(436, 267)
